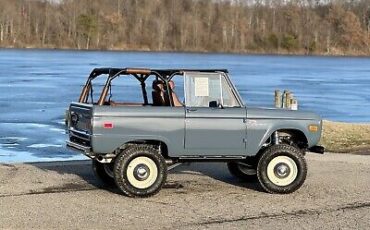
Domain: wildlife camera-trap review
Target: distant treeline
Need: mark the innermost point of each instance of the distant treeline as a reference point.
(260, 26)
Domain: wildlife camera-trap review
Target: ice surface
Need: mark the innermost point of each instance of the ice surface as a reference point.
(36, 87)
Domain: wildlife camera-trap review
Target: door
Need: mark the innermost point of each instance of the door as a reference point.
(215, 122)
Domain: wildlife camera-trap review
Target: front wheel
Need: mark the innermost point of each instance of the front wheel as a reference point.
(140, 171)
(281, 169)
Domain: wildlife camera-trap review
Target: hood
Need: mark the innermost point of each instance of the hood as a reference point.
(272, 113)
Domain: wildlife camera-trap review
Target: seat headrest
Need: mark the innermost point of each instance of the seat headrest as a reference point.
(156, 84)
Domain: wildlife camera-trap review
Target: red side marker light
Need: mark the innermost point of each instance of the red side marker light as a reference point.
(108, 125)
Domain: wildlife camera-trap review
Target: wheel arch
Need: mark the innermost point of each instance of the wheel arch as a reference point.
(297, 135)
(158, 143)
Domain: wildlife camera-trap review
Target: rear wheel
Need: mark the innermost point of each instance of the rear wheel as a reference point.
(281, 169)
(140, 171)
(242, 171)
(104, 172)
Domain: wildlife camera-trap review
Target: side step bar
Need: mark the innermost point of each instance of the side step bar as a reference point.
(86, 150)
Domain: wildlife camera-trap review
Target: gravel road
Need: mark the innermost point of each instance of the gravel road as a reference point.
(65, 195)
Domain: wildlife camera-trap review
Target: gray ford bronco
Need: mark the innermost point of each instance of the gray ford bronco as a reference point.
(141, 126)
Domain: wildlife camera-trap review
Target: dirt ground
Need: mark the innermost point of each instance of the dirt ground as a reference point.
(346, 137)
(66, 195)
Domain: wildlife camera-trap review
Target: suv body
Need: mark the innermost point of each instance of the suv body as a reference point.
(212, 123)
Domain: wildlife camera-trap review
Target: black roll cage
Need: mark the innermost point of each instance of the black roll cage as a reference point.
(141, 75)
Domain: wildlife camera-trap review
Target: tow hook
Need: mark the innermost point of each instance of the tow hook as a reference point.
(317, 149)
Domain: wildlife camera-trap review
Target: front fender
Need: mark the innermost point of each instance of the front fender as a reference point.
(260, 130)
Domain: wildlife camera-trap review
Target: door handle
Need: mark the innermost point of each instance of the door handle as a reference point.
(191, 109)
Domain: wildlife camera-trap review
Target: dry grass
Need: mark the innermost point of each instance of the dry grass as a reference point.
(346, 137)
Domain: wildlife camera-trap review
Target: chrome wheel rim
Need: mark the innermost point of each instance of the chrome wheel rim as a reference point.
(282, 171)
(142, 172)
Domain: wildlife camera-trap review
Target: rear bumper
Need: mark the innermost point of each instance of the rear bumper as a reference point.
(80, 148)
(317, 149)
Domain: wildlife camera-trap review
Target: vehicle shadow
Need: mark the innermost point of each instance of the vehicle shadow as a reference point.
(83, 171)
(217, 171)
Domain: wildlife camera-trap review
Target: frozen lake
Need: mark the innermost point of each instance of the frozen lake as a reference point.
(36, 87)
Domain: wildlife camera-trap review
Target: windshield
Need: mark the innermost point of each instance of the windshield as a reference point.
(203, 89)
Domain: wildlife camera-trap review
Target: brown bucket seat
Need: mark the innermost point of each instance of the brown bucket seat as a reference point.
(158, 93)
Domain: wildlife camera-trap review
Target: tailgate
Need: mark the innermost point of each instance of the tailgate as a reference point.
(80, 128)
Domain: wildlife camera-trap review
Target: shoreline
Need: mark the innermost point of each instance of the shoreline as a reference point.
(143, 50)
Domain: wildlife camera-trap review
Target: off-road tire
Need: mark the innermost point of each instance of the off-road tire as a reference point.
(123, 166)
(283, 153)
(101, 173)
(236, 170)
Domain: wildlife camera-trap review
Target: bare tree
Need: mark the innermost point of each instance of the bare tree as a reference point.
(274, 26)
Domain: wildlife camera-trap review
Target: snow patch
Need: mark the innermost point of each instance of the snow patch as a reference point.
(14, 138)
(61, 122)
(8, 145)
(62, 131)
(38, 125)
(43, 146)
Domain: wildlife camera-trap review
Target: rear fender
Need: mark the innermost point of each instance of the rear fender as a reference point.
(116, 142)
